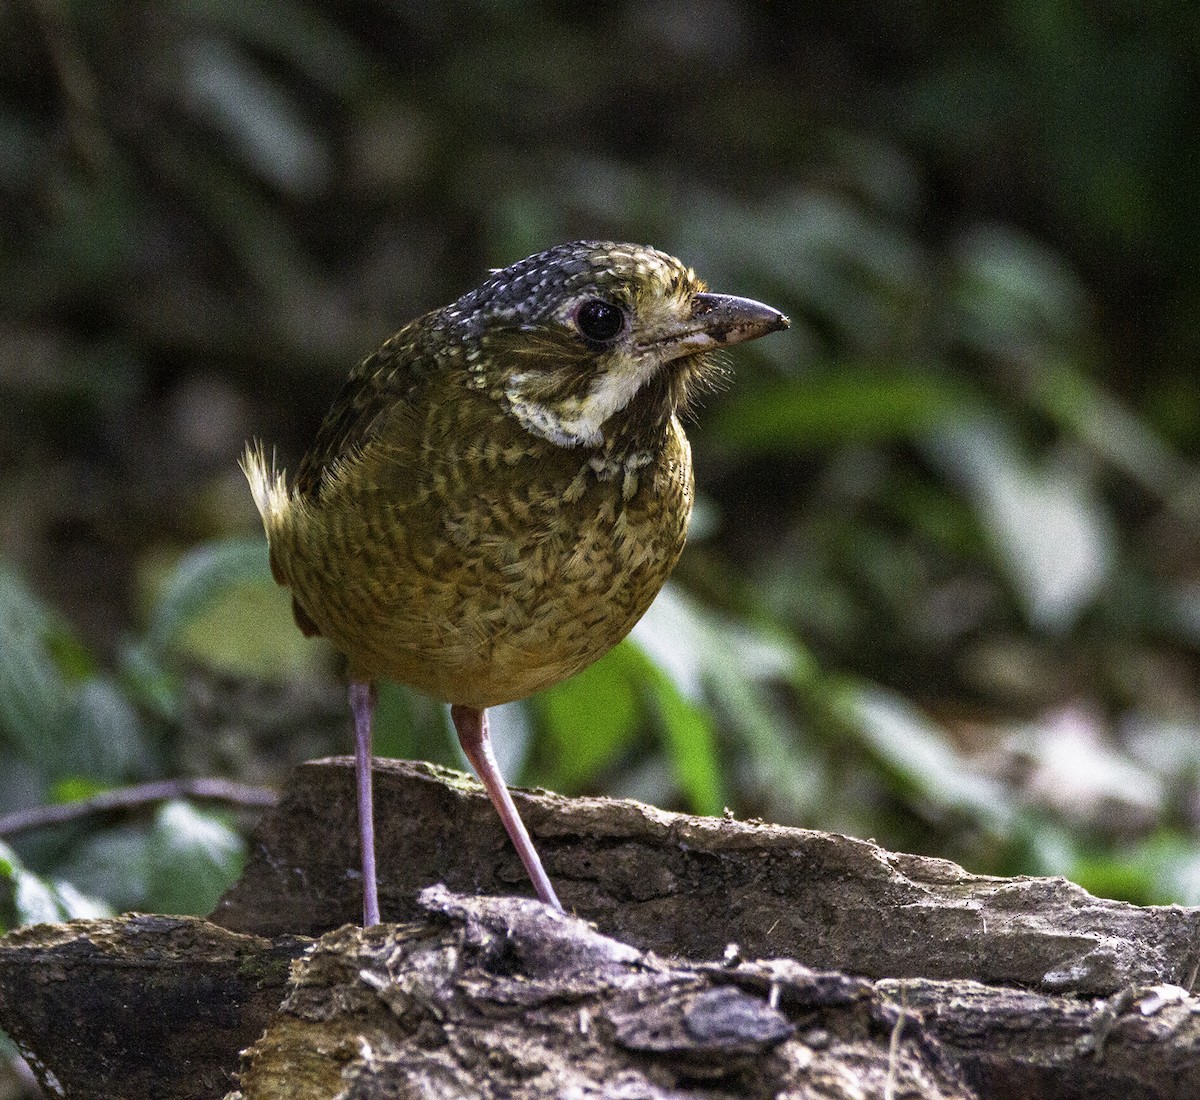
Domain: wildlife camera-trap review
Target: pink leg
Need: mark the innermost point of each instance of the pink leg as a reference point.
(472, 726)
(362, 704)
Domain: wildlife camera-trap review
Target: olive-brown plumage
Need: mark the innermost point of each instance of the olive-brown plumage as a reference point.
(499, 492)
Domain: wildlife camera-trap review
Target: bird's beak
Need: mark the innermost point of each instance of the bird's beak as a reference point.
(718, 320)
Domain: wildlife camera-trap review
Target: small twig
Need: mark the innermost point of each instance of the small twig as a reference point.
(124, 798)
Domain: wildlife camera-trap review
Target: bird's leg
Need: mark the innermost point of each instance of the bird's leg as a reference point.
(362, 703)
(472, 726)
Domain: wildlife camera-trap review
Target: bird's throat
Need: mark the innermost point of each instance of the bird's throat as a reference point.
(580, 418)
(626, 412)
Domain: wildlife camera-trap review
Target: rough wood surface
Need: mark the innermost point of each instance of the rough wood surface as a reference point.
(857, 972)
(689, 886)
(138, 1007)
(500, 997)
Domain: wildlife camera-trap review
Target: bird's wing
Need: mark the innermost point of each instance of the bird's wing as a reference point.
(383, 388)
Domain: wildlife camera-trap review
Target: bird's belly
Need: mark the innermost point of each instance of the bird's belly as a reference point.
(481, 606)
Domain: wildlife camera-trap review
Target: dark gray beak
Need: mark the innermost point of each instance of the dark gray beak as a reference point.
(719, 320)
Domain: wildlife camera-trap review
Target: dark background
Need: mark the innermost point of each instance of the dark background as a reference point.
(943, 586)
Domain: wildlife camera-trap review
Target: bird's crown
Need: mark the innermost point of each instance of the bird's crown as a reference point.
(534, 291)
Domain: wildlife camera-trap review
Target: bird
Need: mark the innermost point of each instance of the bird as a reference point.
(498, 492)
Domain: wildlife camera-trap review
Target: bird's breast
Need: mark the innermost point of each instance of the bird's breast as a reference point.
(494, 566)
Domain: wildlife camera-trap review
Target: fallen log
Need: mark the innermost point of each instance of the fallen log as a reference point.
(726, 959)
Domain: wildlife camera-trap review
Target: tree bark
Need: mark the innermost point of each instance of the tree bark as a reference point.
(731, 959)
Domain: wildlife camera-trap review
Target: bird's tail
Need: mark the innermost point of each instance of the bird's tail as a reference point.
(268, 486)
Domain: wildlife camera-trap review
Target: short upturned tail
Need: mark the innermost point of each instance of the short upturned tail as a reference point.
(268, 486)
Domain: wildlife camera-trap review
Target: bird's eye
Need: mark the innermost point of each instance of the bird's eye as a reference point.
(599, 320)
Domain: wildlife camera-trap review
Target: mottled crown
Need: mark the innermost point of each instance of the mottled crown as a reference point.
(528, 292)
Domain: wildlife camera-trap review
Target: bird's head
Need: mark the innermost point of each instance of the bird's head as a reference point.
(591, 339)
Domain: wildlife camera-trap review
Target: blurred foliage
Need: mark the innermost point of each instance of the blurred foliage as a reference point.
(943, 586)
(68, 731)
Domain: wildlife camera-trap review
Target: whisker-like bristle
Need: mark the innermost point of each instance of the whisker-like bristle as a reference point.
(707, 374)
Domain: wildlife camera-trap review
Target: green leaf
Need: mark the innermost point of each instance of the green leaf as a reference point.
(70, 657)
(1012, 295)
(859, 274)
(250, 631)
(38, 694)
(588, 720)
(26, 898)
(75, 788)
(221, 607)
(76, 905)
(33, 901)
(108, 740)
(200, 579)
(1049, 528)
(231, 92)
(592, 717)
(193, 857)
(919, 754)
(150, 681)
(672, 648)
(296, 32)
(1164, 869)
(412, 726)
(1173, 861)
(1066, 393)
(179, 863)
(676, 660)
(737, 668)
(113, 865)
(1115, 876)
(691, 741)
(851, 406)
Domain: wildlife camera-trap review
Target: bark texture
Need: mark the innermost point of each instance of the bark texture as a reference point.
(726, 959)
(139, 1007)
(689, 886)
